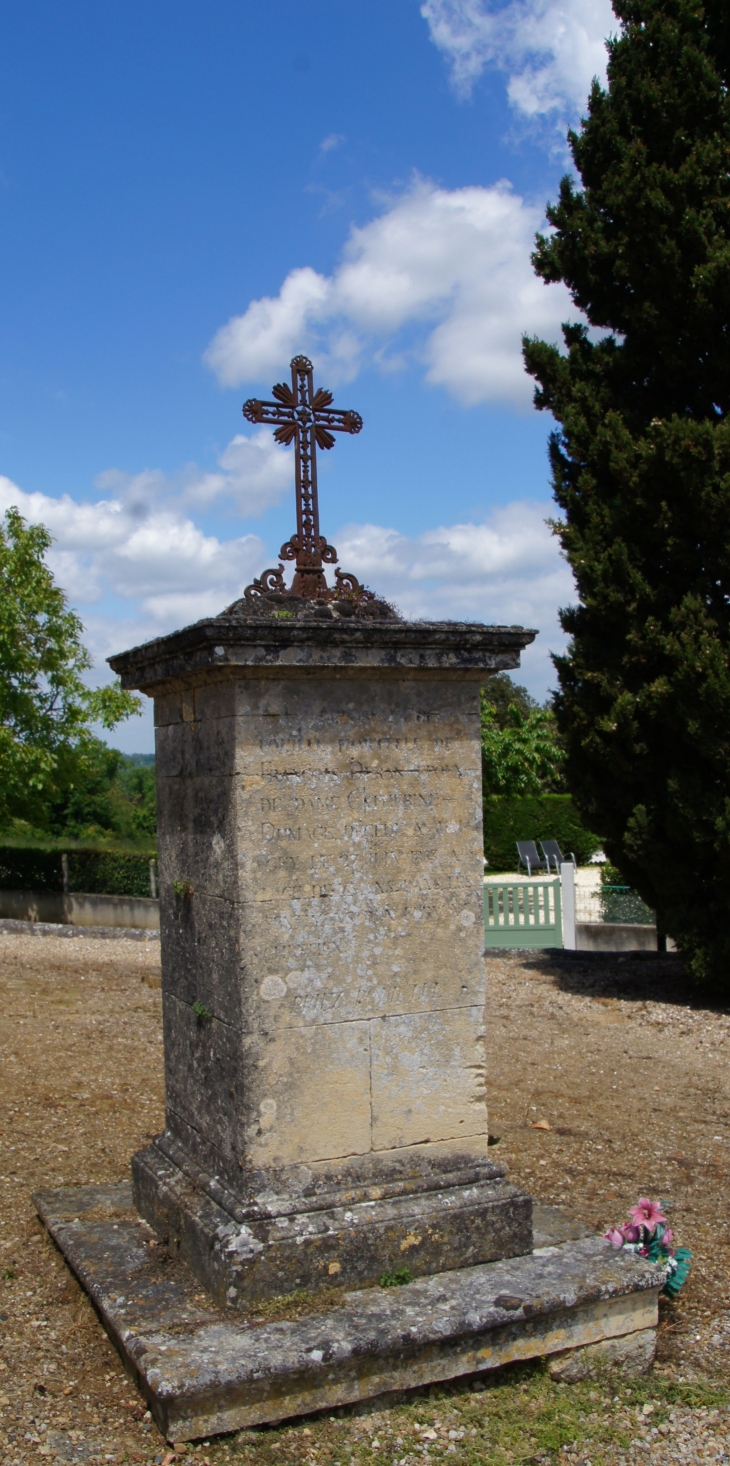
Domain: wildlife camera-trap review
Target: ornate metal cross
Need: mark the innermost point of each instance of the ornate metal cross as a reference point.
(307, 419)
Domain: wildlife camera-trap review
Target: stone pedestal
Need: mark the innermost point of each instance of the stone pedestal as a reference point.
(574, 1301)
(319, 791)
(320, 862)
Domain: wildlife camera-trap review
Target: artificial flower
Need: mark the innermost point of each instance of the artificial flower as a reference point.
(630, 1232)
(648, 1235)
(646, 1214)
(615, 1236)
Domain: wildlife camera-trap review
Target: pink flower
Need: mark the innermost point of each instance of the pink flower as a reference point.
(630, 1233)
(667, 1237)
(646, 1214)
(614, 1236)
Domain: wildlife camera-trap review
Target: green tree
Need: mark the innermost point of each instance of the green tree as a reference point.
(521, 753)
(111, 796)
(46, 709)
(502, 694)
(137, 785)
(641, 464)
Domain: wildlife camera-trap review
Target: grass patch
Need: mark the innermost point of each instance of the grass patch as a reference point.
(298, 1304)
(399, 1277)
(517, 1414)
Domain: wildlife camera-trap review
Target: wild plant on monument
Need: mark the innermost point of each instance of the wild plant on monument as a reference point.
(641, 464)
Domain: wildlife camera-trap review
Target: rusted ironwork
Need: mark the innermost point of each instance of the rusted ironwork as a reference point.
(308, 420)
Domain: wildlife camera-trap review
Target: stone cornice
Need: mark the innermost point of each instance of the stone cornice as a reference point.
(248, 645)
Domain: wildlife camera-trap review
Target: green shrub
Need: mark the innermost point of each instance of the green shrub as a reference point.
(30, 870)
(95, 872)
(109, 873)
(509, 818)
(620, 903)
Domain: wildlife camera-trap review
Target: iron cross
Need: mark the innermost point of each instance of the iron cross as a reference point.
(307, 419)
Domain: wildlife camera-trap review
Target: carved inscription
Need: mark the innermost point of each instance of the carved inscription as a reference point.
(360, 843)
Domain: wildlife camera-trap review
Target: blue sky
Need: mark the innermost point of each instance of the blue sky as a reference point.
(190, 194)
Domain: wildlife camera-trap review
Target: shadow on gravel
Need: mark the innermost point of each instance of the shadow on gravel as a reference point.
(640, 977)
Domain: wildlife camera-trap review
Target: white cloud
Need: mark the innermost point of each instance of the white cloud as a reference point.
(254, 473)
(156, 559)
(164, 572)
(508, 570)
(255, 345)
(440, 276)
(142, 546)
(550, 49)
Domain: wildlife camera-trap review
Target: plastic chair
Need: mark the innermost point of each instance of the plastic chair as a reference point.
(554, 855)
(528, 856)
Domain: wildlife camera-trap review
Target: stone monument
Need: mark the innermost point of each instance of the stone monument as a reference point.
(320, 859)
(320, 863)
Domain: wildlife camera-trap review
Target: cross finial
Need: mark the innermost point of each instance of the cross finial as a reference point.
(308, 419)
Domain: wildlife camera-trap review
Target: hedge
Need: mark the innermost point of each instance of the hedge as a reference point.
(96, 872)
(620, 903)
(508, 818)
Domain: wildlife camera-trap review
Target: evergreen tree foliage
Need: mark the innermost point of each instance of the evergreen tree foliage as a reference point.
(641, 464)
(46, 708)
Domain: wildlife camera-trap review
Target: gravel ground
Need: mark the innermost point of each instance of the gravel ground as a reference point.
(631, 1073)
(614, 1054)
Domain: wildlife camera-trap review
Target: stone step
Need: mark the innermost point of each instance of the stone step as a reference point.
(241, 1260)
(204, 1370)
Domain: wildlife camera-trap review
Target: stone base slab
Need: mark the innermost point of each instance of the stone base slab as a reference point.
(630, 1354)
(205, 1371)
(347, 1238)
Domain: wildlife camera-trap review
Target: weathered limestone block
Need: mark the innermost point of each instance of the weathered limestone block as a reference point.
(320, 861)
(631, 1354)
(284, 1243)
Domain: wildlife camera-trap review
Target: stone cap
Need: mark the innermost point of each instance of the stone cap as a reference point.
(257, 646)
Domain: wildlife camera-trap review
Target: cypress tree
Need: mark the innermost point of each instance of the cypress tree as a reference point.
(641, 464)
